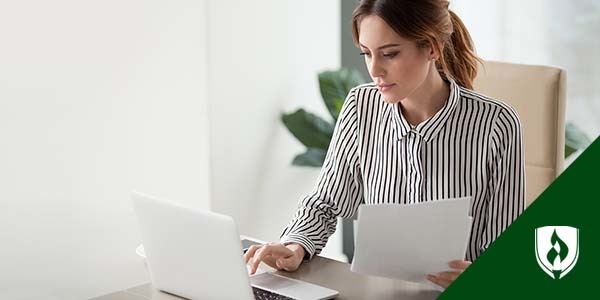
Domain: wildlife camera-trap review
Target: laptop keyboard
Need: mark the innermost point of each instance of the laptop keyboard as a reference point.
(260, 294)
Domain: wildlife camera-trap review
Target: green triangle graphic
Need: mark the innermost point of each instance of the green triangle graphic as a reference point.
(509, 268)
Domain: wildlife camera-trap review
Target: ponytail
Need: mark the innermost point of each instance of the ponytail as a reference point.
(458, 59)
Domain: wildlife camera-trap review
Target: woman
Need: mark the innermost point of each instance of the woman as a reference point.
(416, 133)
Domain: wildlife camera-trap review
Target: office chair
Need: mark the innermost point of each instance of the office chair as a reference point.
(538, 95)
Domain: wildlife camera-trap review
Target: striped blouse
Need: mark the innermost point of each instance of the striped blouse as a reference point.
(471, 147)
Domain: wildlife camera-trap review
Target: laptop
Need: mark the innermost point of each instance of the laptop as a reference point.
(197, 254)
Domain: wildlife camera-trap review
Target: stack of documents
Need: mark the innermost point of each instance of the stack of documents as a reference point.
(409, 241)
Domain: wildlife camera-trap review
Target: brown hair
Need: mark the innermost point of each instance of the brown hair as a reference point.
(427, 22)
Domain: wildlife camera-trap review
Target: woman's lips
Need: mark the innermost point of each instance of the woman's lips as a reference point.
(385, 87)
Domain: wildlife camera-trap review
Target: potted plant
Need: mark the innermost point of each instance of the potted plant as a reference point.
(313, 131)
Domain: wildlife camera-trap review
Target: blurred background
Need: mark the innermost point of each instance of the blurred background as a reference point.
(183, 100)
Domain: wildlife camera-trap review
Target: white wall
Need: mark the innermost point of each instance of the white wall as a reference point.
(264, 59)
(101, 97)
(508, 24)
(96, 98)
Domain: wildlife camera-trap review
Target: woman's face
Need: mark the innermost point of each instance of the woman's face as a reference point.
(396, 64)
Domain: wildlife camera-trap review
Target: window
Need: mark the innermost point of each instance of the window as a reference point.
(545, 32)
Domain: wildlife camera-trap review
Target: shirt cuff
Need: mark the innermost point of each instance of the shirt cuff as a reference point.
(306, 243)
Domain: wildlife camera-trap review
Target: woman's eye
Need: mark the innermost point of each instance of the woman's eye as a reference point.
(390, 55)
(365, 54)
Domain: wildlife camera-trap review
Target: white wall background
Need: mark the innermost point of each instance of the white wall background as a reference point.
(101, 97)
(96, 98)
(264, 59)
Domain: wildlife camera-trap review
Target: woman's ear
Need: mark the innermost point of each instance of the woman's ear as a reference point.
(432, 52)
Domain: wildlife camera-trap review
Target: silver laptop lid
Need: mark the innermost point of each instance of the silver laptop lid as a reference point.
(191, 253)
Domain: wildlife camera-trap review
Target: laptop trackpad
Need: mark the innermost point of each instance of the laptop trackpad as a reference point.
(290, 287)
(272, 282)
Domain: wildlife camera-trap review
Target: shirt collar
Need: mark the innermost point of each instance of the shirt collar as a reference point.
(429, 128)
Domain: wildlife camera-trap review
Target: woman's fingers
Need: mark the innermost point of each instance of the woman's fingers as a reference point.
(444, 279)
(268, 254)
(258, 257)
(250, 253)
(439, 281)
(448, 275)
(459, 264)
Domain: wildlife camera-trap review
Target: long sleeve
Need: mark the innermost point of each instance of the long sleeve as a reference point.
(506, 168)
(339, 189)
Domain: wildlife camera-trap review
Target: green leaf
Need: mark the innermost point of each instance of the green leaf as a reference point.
(310, 129)
(575, 139)
(569, 150)
(335, 86)
(311, 158)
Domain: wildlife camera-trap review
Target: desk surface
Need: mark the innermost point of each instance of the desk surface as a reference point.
(322, 271)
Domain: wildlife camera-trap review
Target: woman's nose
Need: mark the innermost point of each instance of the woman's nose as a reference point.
(375, 68)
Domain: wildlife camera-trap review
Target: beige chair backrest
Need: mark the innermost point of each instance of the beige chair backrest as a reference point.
(538, 95)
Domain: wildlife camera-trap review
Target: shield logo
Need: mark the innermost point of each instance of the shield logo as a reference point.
(557, 249)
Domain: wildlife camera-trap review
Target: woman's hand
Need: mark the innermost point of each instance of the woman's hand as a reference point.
(275, 255)
(444, 279)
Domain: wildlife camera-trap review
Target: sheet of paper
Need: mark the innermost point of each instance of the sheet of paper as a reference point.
(409, 241)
